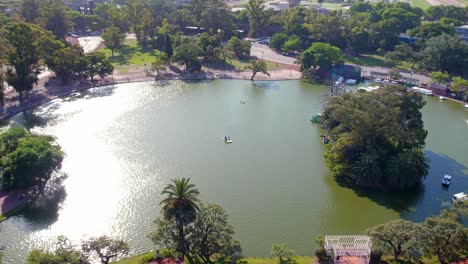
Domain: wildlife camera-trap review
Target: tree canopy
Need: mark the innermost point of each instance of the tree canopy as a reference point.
(378, 138)
(27, 160)
(320, 55)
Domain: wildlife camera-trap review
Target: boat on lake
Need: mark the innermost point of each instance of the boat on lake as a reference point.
(442, 98)
(227, 140)
(446, 180)
(459, 197)
(422, 91)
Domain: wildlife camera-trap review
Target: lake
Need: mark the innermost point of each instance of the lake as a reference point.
(123, 144)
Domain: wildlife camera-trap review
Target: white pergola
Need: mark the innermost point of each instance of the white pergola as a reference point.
(349, 249)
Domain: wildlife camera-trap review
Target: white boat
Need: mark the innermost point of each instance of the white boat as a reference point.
(442, 98)
(227, 140)
(459, 197)
(466, 106)
(422, 91)
(446, 180)
(242, 102)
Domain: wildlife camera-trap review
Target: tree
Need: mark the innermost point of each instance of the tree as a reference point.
(283, 253)
(429, 30)
(113, 38)
(445, 53)
(216, 16)
(180, 206)
(258, 66)
(320, 55)
(379, 148)
(360, 7)
(105, 248)
(55, 18)
(63, 253)
(187, 54)
(97, 64)
(28, 160)
(258, 17)
(403, 52)
(209, 44)
(446, 239)
(294, 43)
(394, 74)
(68, 62)
(29, 10)
(439, 77)
(159, 65)
(212, 236)
(459, 86)
(277, 40)
(28, 43)
(398, 236)
(240, 48)
(407, 20)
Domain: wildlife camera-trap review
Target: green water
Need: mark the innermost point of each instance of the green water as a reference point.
(124, 144)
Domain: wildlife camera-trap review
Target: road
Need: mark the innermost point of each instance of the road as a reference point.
(266, 53)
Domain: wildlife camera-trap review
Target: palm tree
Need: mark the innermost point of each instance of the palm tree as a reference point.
(181, 205)
(366, 171)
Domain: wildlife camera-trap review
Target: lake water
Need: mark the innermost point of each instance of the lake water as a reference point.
(123, 144)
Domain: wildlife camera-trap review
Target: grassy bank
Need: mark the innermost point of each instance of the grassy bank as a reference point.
(298, 259)
(373, 60)
(2, 218)
(420, 3)
(130, 55)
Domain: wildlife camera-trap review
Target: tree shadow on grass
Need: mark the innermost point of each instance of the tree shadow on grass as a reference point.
(368, 60)
(426, 200)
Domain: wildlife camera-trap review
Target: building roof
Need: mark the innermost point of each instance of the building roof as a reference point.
(437, 86)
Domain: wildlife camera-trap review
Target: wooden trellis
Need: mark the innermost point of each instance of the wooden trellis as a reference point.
(349, 249)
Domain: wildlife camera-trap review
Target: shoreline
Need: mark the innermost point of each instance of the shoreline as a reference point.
(43, 93)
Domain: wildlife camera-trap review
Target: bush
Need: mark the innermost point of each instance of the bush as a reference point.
(147, 258)
(168, 253)
(322, 255)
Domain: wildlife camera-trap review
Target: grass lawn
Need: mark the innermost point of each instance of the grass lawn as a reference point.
(240, 65)
(130, 54)
(420, 3)
(299, 260)
(376, 61)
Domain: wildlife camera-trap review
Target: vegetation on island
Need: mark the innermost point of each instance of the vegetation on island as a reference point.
(378, 138)
(28, 160)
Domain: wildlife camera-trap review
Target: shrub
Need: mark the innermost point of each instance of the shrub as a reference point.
(147, 258)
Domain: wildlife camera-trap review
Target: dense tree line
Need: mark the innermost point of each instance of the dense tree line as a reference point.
(378, 138)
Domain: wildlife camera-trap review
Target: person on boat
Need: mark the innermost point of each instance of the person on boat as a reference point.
(229, 138)
(225, 138)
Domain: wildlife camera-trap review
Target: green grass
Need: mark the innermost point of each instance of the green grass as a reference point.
(376, 61)
(240, 65)
(130, 54)
(2, 218)
(420, 3)
(298, 259)
(134, 259)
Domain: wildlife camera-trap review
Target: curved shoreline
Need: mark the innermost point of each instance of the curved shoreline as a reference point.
(12, 110)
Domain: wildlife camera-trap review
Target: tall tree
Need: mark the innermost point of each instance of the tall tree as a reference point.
(240, 48)
(158, 65)
(97, 64)
(399, 236)
(459, 86)
(105, 248)
(28, 43)
(446, 239)
(187, 54)
(258, 17)
(320, 55)
(113, 38)
(445, 53)
(29, 10)
(54, 17)
(68, 62)
(181, 206)
(439, 77)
